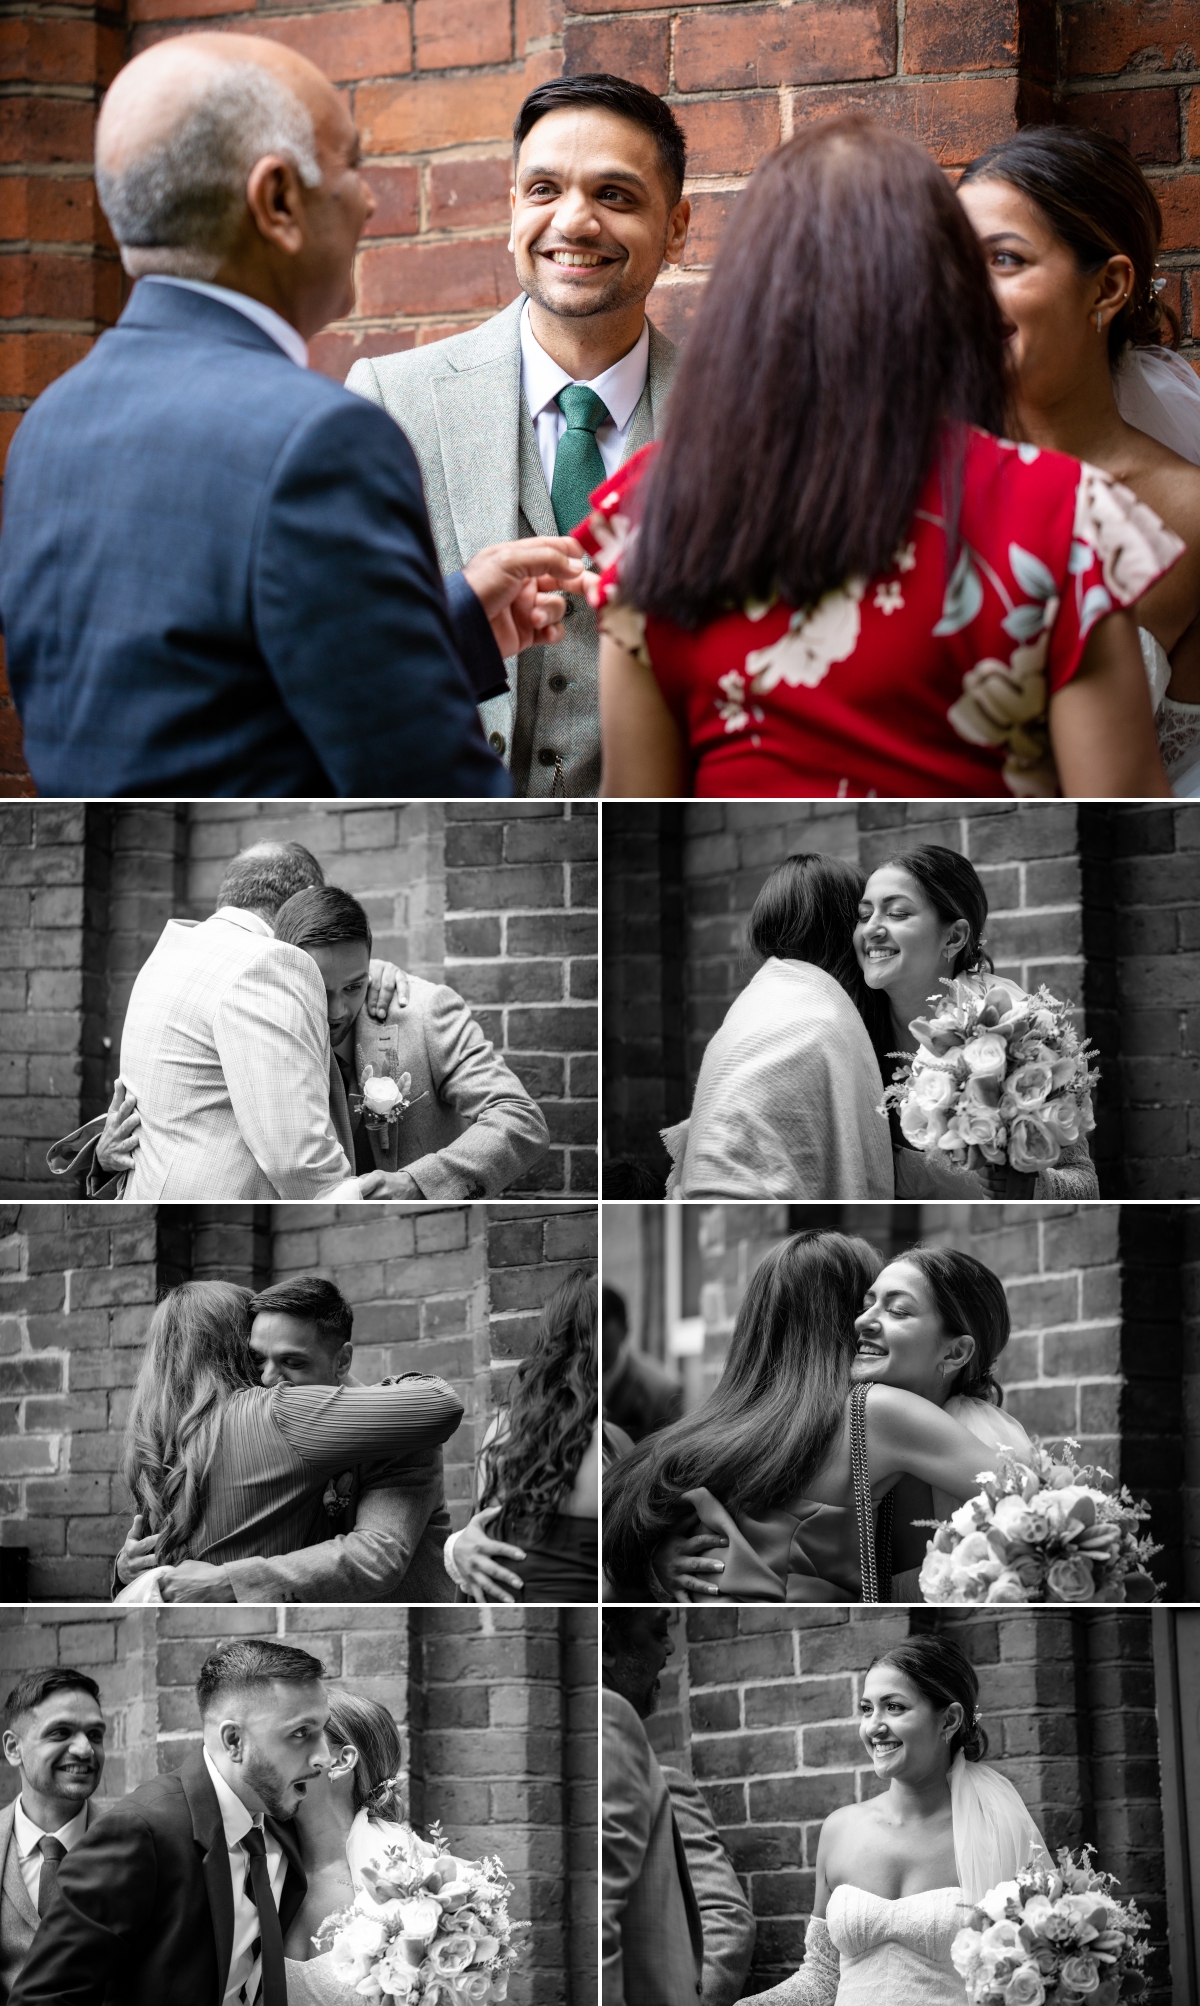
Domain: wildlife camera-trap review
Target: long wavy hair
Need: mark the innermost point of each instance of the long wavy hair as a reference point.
(197, 1355)
(772, 1418)
(551, 1413)
(873, 338)
(365, 1724)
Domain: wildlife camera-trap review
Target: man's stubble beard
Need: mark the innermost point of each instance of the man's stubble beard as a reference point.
(622, 293)
(265, 1780)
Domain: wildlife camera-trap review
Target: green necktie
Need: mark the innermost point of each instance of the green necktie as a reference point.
(578, 467)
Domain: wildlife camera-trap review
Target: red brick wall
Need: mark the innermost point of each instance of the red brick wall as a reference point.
(761, 1704)
(453, 1290)
(497, 1710)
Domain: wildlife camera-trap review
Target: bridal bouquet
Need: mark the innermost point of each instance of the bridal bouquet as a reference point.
(1041, 1530)
(1001, 1077)
(1055, 1934)
(427, 1929)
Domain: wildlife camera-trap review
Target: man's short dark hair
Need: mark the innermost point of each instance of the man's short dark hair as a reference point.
(39, 1684)
(612, 1307)
(599, 91)
(321, 916)
(310, 1299)
(263, 877)
(250, 1662)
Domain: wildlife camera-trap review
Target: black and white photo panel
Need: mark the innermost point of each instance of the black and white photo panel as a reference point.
(901, 1000)
(299, 1404)
(943, 1404)
(246, 1001)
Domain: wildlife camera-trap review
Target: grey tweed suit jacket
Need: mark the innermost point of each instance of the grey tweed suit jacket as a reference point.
(460, 404)
(18, 1917)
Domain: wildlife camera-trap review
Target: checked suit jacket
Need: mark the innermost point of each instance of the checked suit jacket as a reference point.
(226, 1045)
(143, 1911)
(459, 403)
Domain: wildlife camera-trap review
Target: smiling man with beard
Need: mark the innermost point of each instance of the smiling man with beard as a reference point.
(516, 422)
(184, 1889)
(54, 1735)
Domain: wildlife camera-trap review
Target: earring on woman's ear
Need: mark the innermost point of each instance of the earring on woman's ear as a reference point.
(1099, 321)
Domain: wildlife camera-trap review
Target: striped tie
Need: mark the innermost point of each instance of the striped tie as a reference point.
(267, 1983)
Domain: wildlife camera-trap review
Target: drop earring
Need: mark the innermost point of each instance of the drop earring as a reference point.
(1099, 322)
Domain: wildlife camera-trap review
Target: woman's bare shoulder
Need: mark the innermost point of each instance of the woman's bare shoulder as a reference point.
(1166, 481)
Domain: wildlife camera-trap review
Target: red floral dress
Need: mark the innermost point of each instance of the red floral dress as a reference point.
(913, 682)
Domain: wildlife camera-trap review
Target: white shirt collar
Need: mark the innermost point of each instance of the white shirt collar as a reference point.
(235, 1817)
(238, 916)
(272, 323)
(619, 388)
(28, 1835)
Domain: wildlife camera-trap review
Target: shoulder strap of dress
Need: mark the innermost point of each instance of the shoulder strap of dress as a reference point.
(874, 1542)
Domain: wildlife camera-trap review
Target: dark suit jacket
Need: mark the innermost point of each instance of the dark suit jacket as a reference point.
(143, 1912)
(217, 577)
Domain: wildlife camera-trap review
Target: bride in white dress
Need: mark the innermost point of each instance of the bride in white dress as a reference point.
(897, 1875)
(345, 1822)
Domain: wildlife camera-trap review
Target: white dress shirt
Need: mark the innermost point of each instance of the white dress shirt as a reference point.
(618, 388)
(29, 1838)
(292, 343)
(244, 1970)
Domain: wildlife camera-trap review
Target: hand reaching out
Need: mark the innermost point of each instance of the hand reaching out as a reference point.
(521, 585)
(137, 1555)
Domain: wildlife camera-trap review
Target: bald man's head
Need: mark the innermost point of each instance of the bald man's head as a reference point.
(265, 876)
(179, 133)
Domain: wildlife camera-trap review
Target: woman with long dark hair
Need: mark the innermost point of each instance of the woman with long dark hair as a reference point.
(1071, 229)
(898, 1874)
(534, 1536)
(921, 918)
(787, 1102)
(789, 1459)
(221, 1468)
(841, 584)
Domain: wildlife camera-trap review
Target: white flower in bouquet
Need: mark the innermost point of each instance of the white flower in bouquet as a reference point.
(357, 1948)
(475, 1988)
(451, 1954)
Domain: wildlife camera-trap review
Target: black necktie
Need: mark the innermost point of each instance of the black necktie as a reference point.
(273, 1991)
(52, 1851)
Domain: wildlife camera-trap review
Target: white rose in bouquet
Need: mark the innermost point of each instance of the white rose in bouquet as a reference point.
(451, 1954)
(1031, 1147)
(356, 1949)
(420, 1917)
(933, 1088)
(986, 1056)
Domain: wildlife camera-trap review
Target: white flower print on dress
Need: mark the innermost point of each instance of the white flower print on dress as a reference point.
(731, 707)
(1133, 546)
(816, 638)
(889, 597)
(905, 557)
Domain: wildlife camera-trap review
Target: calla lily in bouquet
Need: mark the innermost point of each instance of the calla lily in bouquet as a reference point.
(1001, 1077)
(1056, 1936)
(1042, 1529)
(427, 1927)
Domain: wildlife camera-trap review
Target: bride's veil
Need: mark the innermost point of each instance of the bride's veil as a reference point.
(995, 1837)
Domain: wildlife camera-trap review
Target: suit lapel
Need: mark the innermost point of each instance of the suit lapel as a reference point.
(536, 506)
(477, 412)
(11, 1878)
(209, 1834)
(339, 1109)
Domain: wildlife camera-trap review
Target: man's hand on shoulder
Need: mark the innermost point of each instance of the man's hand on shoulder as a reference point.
(520, 587)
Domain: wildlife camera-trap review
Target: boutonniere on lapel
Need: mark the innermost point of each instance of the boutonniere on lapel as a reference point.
(385, 1094)
(337, 1493)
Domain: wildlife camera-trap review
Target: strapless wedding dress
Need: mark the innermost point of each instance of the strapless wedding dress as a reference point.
(896, 1953)
(313, 1984)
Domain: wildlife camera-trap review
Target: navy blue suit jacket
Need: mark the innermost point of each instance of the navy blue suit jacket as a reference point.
(217, 576)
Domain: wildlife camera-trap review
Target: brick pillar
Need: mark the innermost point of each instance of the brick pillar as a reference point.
(521, 901)
(644, 980)
(42, 987)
